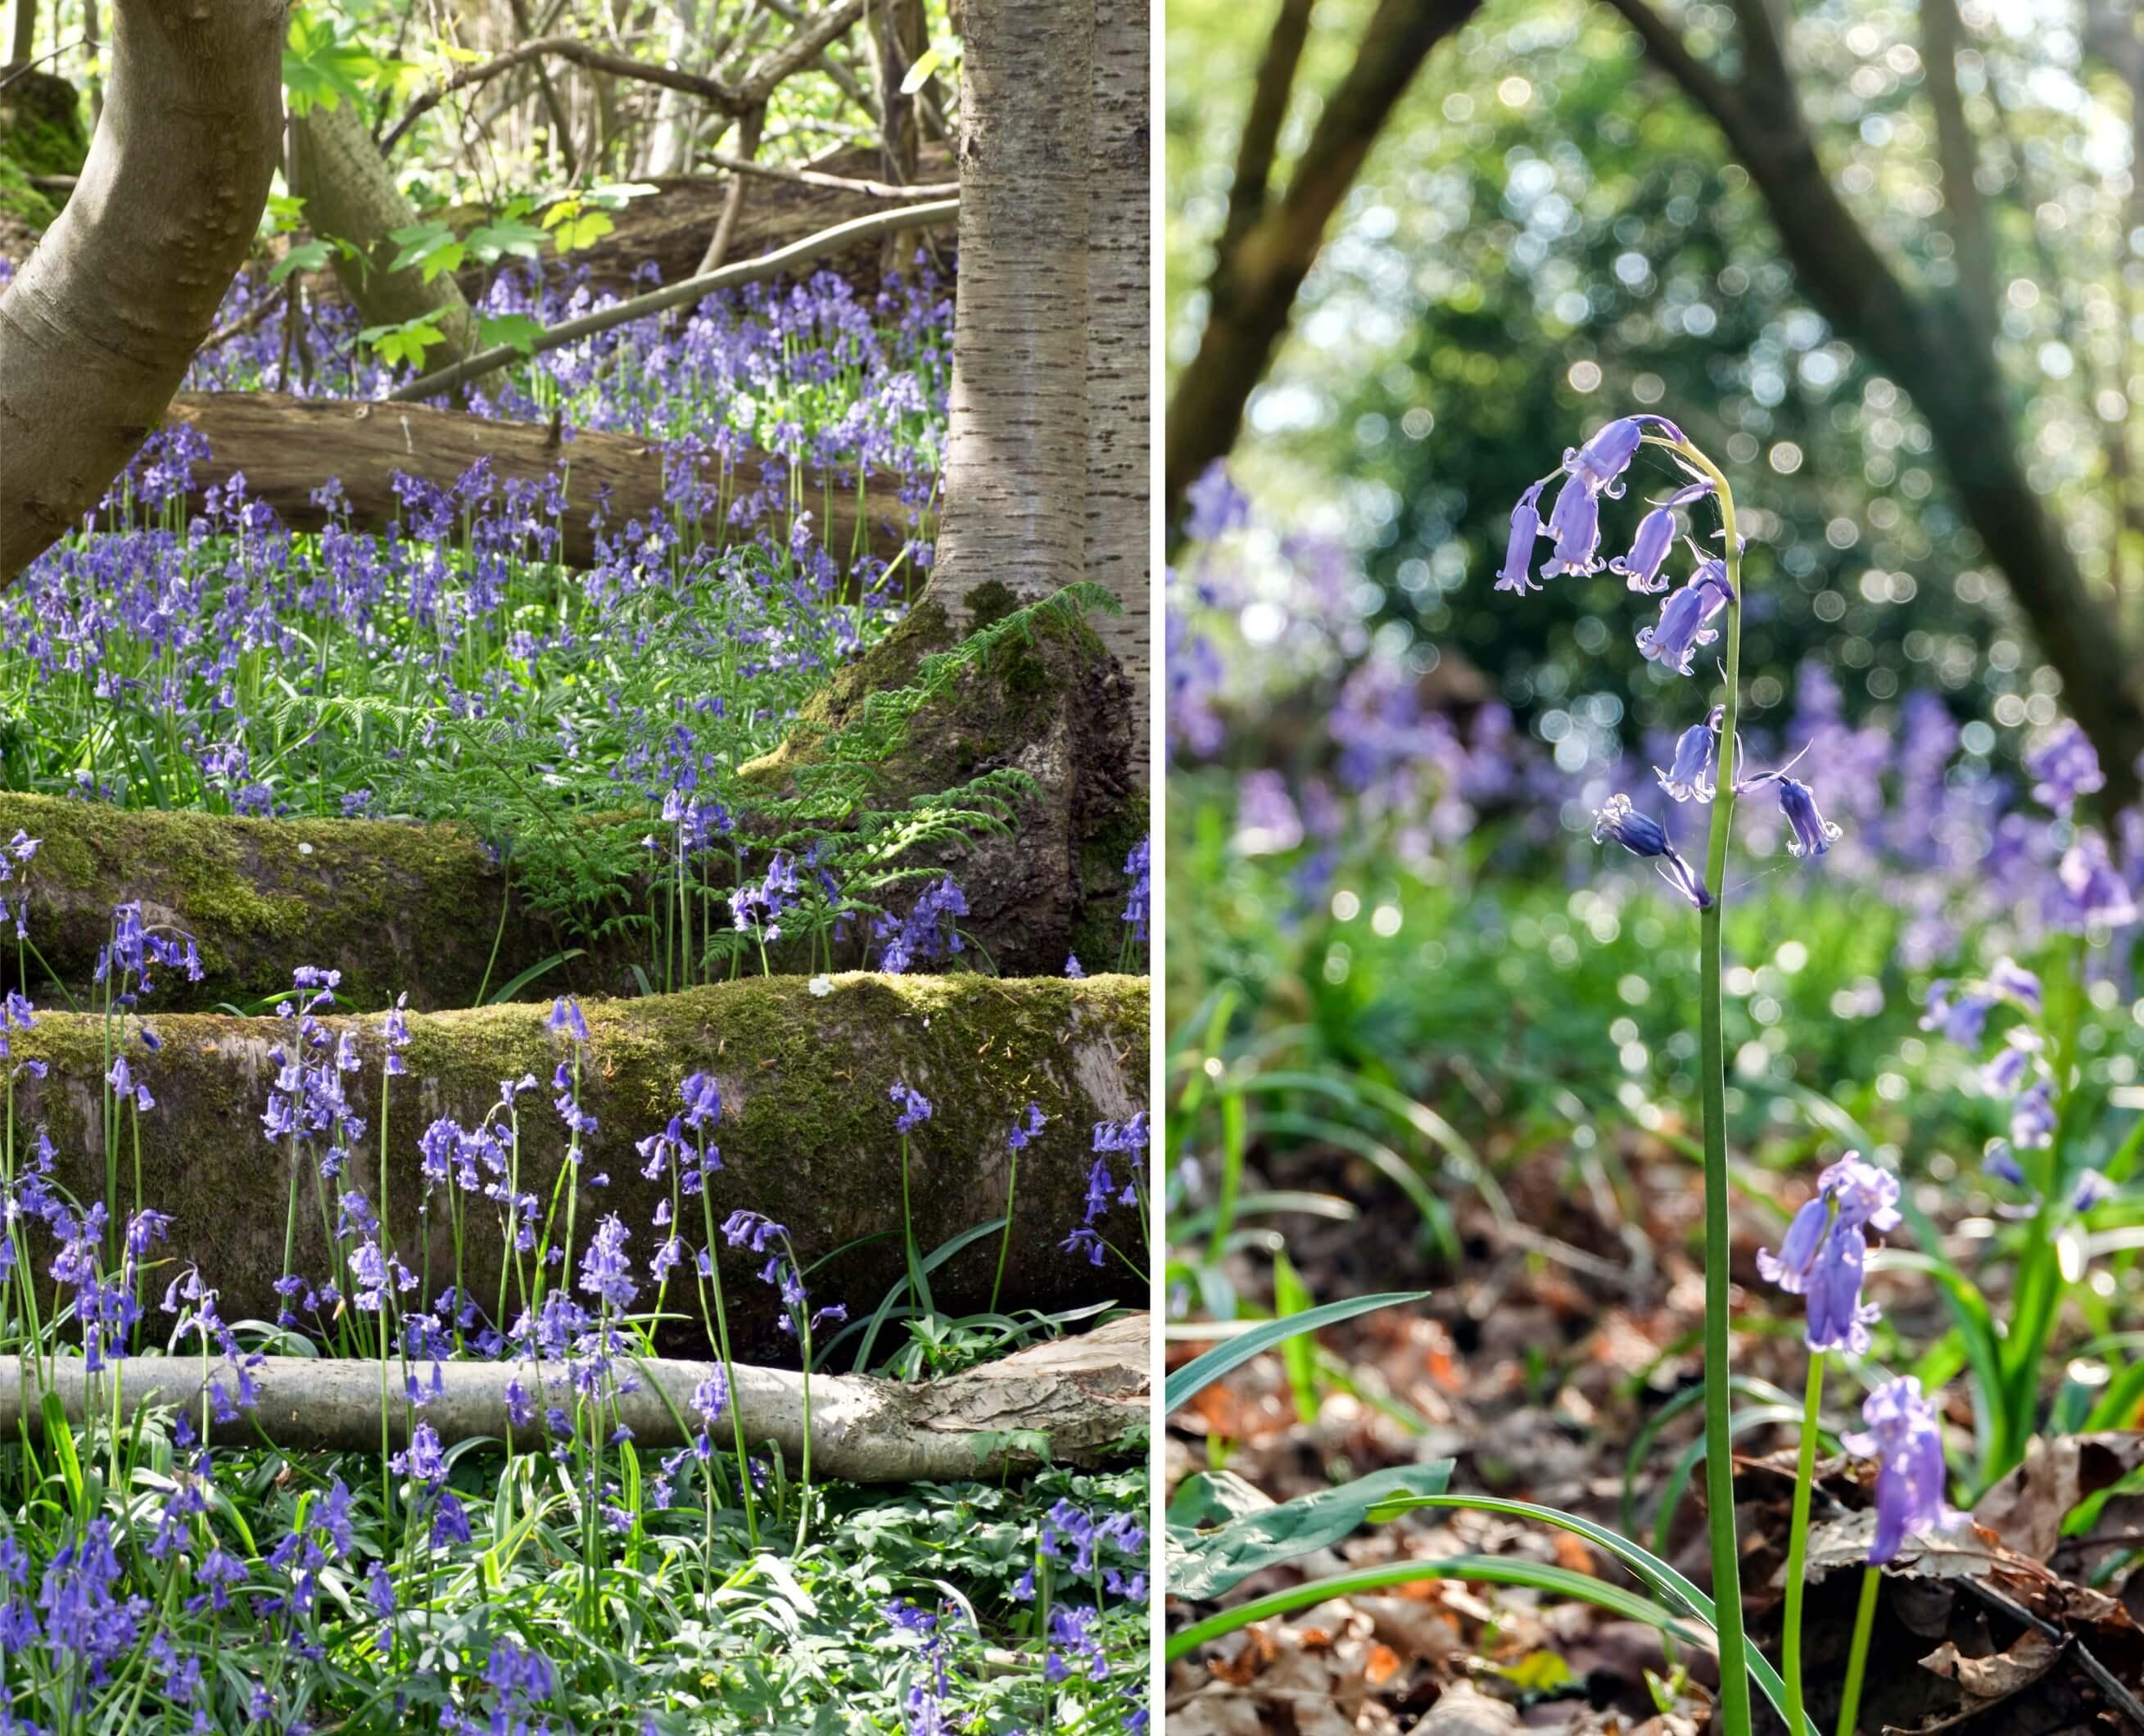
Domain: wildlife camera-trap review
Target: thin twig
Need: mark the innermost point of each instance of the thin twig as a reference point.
(813, 178)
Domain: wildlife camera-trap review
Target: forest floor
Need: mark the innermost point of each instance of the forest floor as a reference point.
(1536, 1365)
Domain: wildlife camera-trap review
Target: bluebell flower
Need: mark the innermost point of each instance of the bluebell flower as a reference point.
(1576, 525)
(703, 1100)
(1812, 834)
(2002, 1163)
(1822, 1255)
(605, 1270)
(1642, 834)
(914, 1107)
(1682, 626)
(2005, 1071)
(1517, 575)
(1962, 1017)
(1689, 776)
(1217, 506)
(1024, 1131)
(2032, 1118)
(2066, 767)
(2089, 893)
(1072, 967)
(2013, 981)
(1905, 1439)
(1601, 461)
(2092, 1189)
(1649, 550)
(565, 1017)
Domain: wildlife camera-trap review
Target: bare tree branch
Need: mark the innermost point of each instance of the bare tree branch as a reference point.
(838, 183)
(1262, 123)
(1957, 157)
(684, 293)
(1254, 281)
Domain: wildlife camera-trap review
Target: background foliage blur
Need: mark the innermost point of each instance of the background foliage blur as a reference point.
(1548, 234)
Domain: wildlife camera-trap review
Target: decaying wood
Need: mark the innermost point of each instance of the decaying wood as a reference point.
(98, 327)
(286, 446)
(1081, 1396)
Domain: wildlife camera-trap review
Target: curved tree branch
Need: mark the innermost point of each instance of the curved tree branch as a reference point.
(1255, 280)
(735, 99)
(98, 327)
(1925, 344)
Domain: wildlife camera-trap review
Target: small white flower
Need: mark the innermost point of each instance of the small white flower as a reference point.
(821, 985)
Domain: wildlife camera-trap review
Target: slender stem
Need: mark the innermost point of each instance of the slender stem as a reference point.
(1791, 1637)
(1857, 1659)
(1719, 1438)
(1004, 1243)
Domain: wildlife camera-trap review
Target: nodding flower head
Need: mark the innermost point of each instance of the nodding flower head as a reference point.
(1682, 626)
(1689, 776)
(1905, 1439)
(1643, 835)
(1649, 550)
(565, 1016)
(1813, 834)
(1518, 576)
(914, 1106)
(1601, 462)
(1576, 525)
(2088, 892)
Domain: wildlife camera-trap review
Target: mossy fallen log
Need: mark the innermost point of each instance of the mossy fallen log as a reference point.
(805, 1134)
(1081, 1396)
(287, 447)
(404, 908)
(394, 907)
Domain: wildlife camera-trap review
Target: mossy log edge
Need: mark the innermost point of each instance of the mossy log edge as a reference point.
(1080, 1397)
(805, 1136)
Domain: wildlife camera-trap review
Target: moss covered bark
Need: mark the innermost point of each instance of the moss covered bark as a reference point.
(805, 1134)
(394, 907)
(41, 133)
(1054, 705)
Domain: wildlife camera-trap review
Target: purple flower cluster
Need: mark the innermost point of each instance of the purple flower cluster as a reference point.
(1826, 1249)
(1904, 1437)
(1131, 1138)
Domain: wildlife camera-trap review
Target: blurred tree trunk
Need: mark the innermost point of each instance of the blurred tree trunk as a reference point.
(98, 327)
(26, 32)
(350, 195)
(1268, 245)
(1938, 346)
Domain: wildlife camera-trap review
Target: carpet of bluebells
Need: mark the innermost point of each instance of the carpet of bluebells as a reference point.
(209, 659)
(1402, 951)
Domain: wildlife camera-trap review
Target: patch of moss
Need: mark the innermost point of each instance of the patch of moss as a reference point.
(1099, 936)
(21, 200)
(41, 133)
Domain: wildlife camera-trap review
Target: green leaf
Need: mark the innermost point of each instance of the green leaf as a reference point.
(495, 241)
(1209, 1498)
(919, 74)
(583, 231)
(1202, 1371)
(517, 330)
(306, 256)
(1205, 1564)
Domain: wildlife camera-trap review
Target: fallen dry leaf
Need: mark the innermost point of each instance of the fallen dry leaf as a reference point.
(2026, 1509)
(1996, 1678)
(1462, 1709)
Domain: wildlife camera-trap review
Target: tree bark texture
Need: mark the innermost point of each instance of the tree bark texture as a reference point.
(1264, 259)
(287, 447)
(1119, 347)
(99, 324)
(670, 226)
(1082, 1395)
(805, 1134)
(350, 195)
(1927, 344)
(1014, 523)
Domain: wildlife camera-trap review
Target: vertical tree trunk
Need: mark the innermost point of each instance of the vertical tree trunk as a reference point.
(26, 32)
(99, 325)
(1119, 351)
(349, 194)
(1016, 449)
(718, 244)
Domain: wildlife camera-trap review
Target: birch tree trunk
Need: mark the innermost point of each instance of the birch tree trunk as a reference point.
(350, 194)
(99, 325)
(1016, 451)
(1119, 276)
